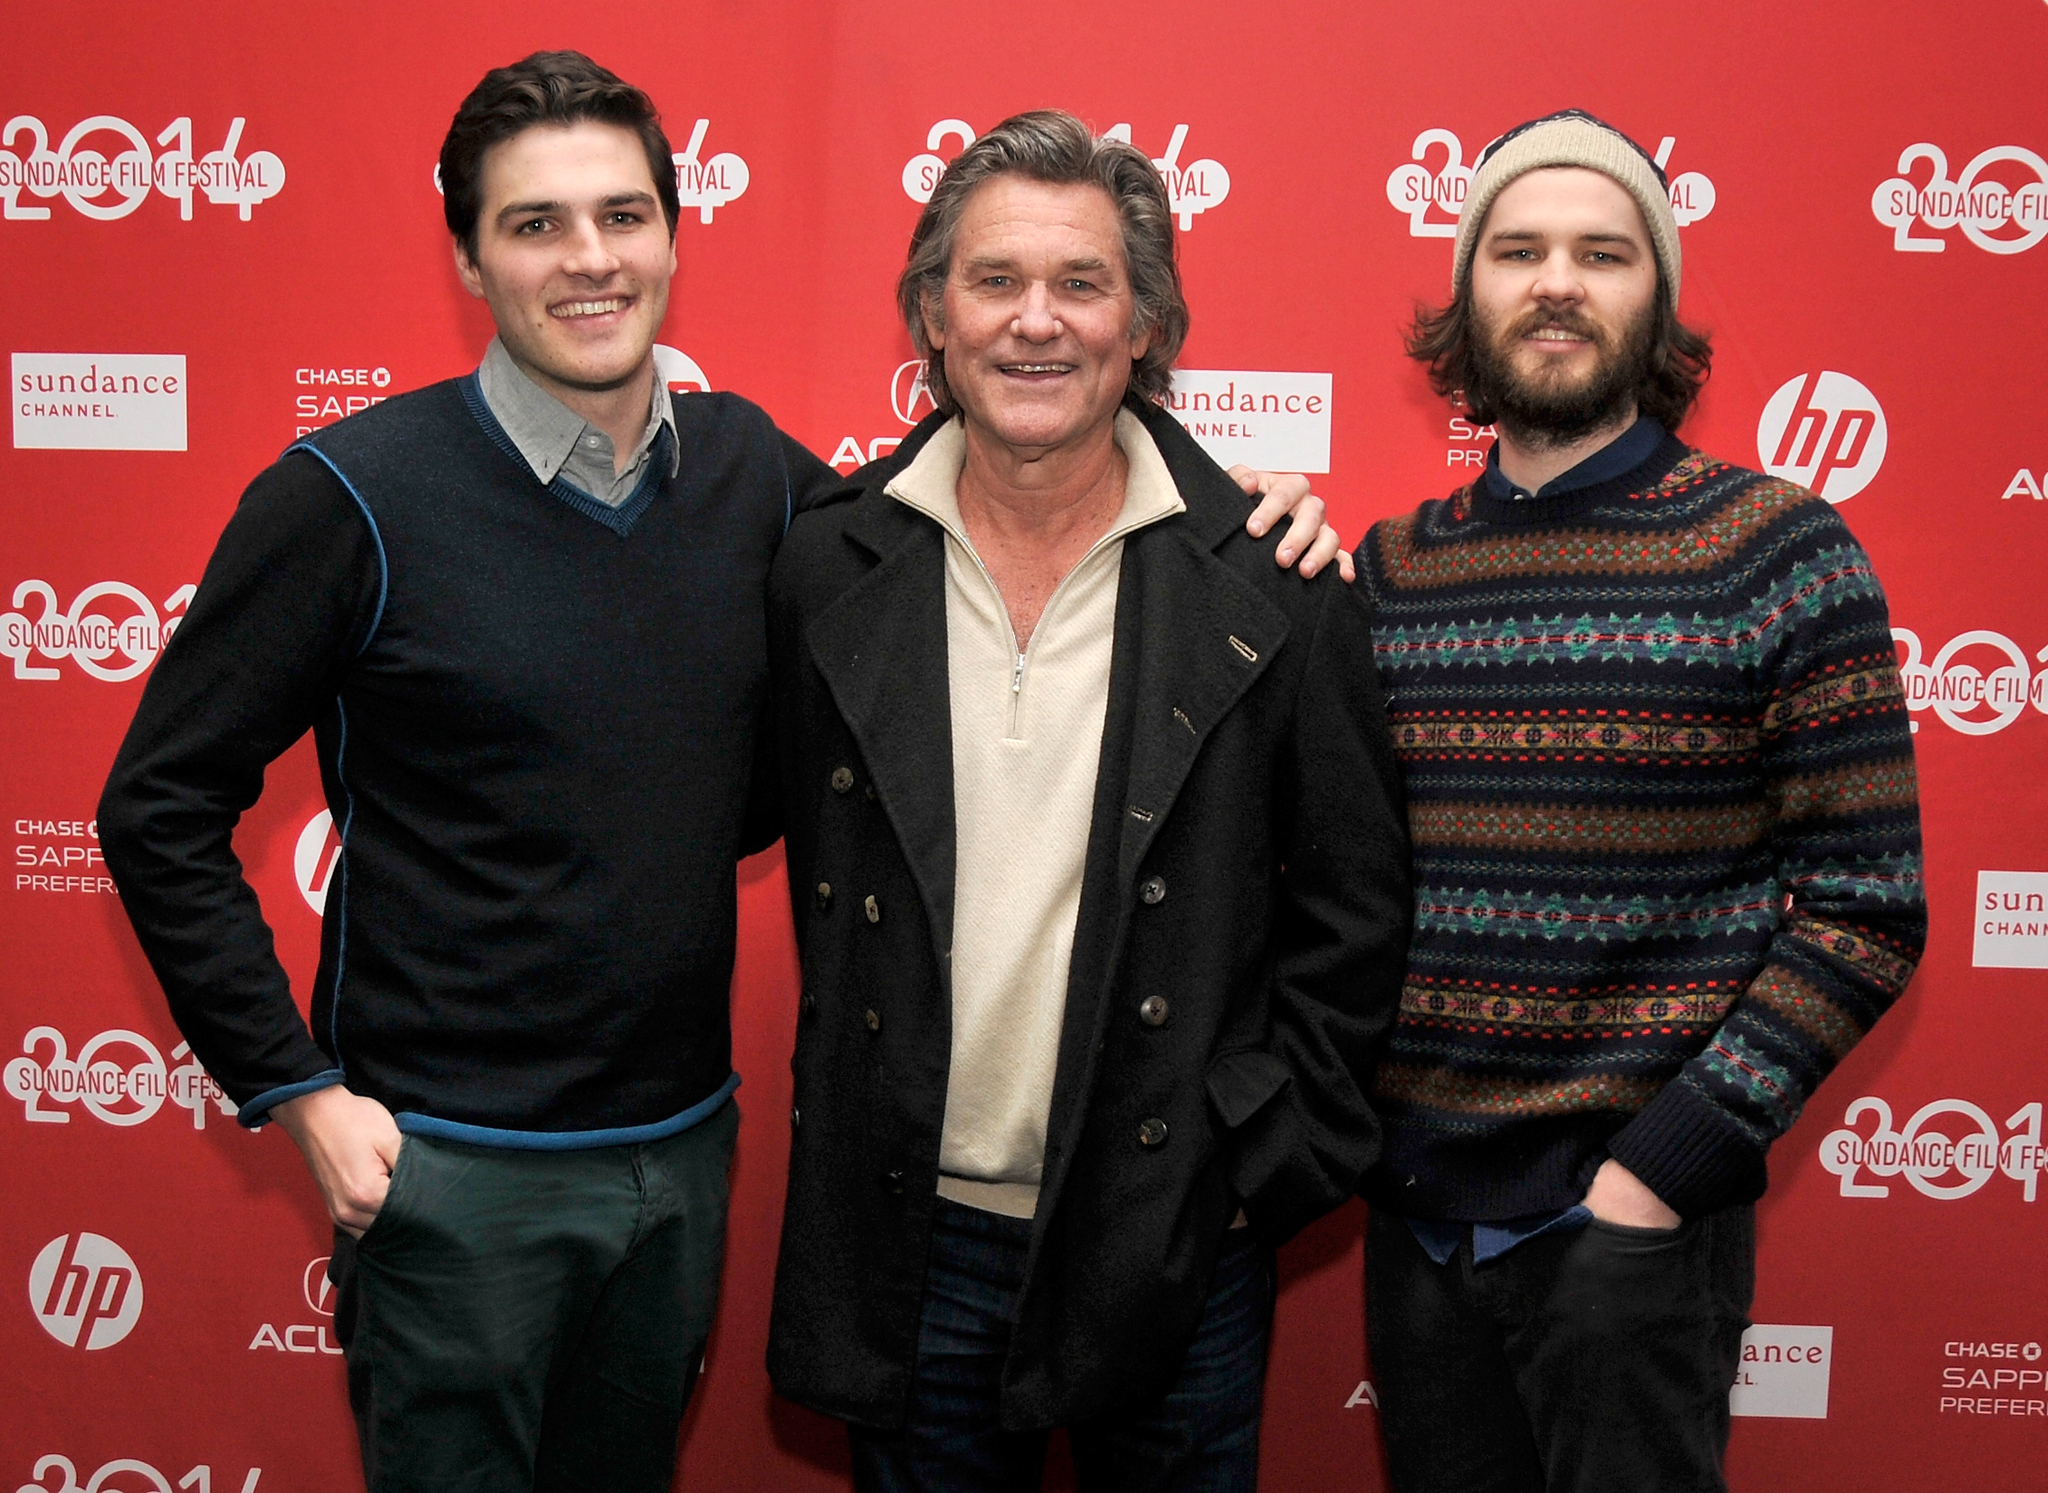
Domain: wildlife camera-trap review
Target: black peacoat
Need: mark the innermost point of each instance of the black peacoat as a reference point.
(1237, 955)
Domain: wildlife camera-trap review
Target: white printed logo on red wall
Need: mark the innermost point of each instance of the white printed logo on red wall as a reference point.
(104, 168)
(111, 631)
(98, 401)
(1430, 189)
(304, 1337)
(679, 371)
(86, 1291)
(1948, 1149)
(2010, 925)
(116, 1476)
(1979, 683)
(314, 859)
(1278, 422)
(2000, 201)
(333, 393)
(708, 183)
(119, 1076)
(1784, 1372)
(1825, 431)
(1192, 187)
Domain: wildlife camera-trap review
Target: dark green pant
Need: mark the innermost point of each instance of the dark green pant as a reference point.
(520, 1320)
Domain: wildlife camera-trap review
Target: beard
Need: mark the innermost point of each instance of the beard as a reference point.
(1551, 408)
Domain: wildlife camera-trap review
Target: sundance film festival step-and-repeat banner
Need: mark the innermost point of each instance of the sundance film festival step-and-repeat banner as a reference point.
(219, 230)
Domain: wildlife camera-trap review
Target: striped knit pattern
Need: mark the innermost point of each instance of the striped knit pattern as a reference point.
(1666, 831)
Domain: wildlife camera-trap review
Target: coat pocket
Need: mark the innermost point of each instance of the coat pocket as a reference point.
(1240, 1084)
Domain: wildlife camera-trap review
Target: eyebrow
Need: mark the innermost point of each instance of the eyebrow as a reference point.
(617, 199)
(1528, 235)
(999, 262)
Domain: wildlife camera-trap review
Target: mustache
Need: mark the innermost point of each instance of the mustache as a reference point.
(1562, 321)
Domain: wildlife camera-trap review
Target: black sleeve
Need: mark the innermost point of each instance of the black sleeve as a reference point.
(289, 598)
(1341, 944)
(812, 484)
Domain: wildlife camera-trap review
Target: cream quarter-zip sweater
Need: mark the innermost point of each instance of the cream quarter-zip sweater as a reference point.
(1027, 734)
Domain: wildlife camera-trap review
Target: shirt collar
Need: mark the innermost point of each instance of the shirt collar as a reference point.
(1629, 449)
(931, 483)
(546, 430)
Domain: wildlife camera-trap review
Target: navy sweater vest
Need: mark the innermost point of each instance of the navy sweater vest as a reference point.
(537, 745)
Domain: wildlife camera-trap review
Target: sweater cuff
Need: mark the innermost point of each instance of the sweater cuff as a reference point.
(256, 1113)
(1694, 1157)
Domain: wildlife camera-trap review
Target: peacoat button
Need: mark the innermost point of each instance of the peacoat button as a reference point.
(824, 896)
(1152, 1134)
(874, 1021)
(874, 910)
(796, 1117)
(1152, 891)
(806, 1003)
(868, 790)
(1152, 1010)
(892, 1183)
(842, 779)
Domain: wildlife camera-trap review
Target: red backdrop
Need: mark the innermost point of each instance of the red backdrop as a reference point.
(232, 207)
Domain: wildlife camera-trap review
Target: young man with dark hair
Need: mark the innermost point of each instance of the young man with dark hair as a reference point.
(522, 614)
(1667, 855)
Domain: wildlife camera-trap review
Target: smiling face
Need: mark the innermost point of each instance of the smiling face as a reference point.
(572, 255)
(1038, 315)
(1564, 290)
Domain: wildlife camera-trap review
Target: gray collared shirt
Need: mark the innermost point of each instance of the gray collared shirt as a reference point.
(558, 442)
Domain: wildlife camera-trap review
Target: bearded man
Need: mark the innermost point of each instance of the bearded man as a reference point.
(1667, 855)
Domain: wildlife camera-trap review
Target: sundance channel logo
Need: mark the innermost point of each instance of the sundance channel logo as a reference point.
(1784, 1372)
(2010, 925)
(98, 401)
(1278, 422)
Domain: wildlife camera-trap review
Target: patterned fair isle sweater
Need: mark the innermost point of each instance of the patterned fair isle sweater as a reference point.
(1667, 840)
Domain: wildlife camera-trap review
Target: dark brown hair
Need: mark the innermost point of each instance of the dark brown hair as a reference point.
(1677, 362)
(1054, 147)
(551, 88)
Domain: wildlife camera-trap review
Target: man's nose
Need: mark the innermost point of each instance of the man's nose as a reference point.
(589, 255)
(1558, 280)
(1036, 320)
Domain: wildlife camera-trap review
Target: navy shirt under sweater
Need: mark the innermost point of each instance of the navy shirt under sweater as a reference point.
(536, 718)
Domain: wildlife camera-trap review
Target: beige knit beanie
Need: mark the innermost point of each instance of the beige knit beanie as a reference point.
(1570, 138)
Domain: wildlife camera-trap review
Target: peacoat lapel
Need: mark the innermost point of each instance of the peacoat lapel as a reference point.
(881, 649)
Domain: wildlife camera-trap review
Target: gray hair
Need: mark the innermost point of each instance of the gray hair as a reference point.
(1052, 146)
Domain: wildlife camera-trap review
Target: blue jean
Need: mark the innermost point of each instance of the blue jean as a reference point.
(1201, 1436)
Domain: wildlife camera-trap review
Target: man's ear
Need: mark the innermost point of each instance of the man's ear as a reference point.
(934, 323)
(465, 267)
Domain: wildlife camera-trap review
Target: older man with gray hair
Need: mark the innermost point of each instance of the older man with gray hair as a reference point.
(1098, 868)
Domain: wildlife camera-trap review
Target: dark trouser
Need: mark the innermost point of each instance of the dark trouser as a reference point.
(520, 1320)
(1202, 1436)
(1596, 1361)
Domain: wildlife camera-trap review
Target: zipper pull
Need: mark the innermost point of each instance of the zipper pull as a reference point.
(1017, 678)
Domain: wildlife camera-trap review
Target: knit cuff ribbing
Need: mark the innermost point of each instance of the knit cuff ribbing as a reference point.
(1684, 1149)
